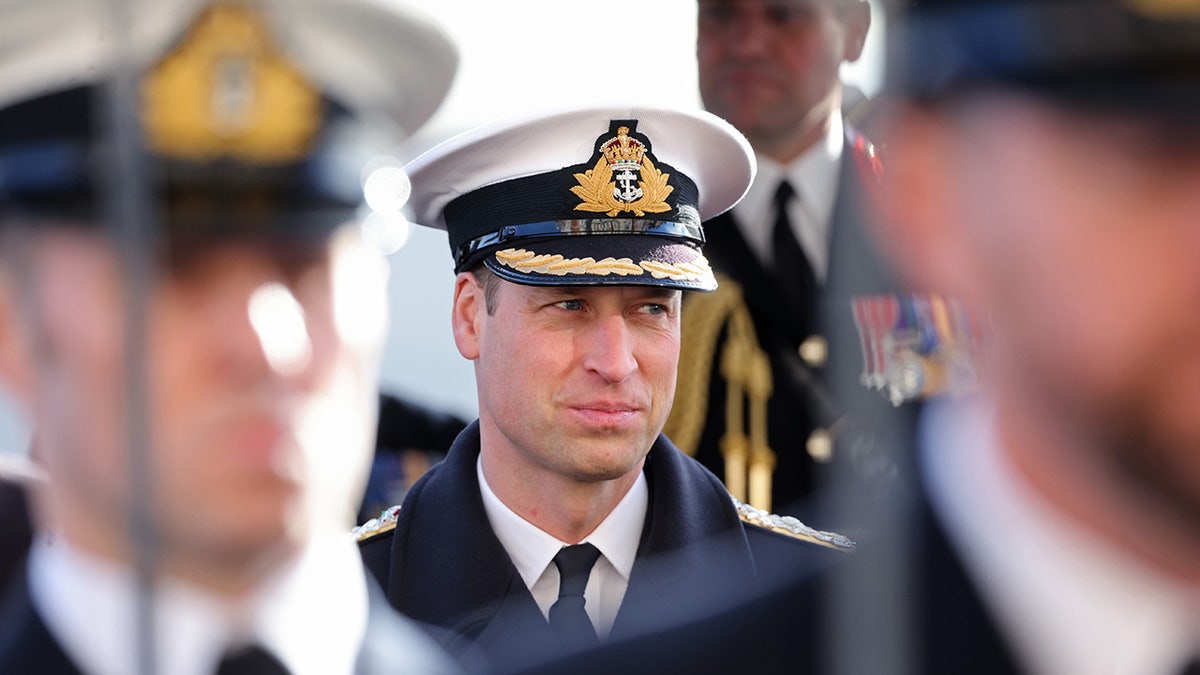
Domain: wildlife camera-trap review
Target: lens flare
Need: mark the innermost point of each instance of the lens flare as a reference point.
(278, 319)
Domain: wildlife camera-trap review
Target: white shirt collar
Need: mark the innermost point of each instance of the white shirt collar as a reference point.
(1069, 601)
(87, 604)
(532, 550)
(814, 175)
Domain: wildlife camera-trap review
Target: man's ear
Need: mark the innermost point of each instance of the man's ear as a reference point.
(918, 223)
(856, 21)
(467, 314)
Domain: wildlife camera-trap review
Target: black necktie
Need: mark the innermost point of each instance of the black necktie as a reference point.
(250, 660)
(1191, 667)
(567, 616)
(793, 273)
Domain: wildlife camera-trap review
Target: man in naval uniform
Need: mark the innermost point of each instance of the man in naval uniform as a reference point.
(754, 402)
(1044, 169)
(202, 388)
(563, 515)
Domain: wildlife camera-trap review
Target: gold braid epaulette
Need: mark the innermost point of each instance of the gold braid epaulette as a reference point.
(746, 369)
(792, 527)
(700, 325)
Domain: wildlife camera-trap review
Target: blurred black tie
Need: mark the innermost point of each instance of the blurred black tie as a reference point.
(1191, 667)
(251, 660)
(793, 272)
(567, 615)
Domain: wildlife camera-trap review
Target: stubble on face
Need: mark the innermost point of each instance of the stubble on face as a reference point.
(577, 382)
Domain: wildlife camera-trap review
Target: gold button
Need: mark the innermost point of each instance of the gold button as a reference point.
(820, 445)
(814, 351)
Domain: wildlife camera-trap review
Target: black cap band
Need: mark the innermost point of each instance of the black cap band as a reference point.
(547, 198)
(469, 253)
(53, 163)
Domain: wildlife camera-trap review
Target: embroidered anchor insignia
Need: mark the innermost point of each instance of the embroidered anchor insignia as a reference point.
(612, 186)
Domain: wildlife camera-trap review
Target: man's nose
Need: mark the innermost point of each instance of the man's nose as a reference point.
(747, 35)
(609, 349)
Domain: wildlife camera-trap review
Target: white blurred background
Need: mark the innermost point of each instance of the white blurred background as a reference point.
(516, 56)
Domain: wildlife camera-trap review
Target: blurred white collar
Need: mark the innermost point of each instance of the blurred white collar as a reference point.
(88, 605)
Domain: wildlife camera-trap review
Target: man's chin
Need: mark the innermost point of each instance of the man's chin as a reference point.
(607, 464)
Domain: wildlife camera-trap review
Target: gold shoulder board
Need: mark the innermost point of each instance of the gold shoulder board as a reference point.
(386, 522)
(791, 527)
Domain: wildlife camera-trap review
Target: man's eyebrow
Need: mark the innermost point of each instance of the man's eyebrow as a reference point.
(542, 293)
(556, 291)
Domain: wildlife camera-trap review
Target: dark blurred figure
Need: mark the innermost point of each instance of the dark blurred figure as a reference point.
(192, 319)
(1043, 169)
(411, 438)
(16, 529)
(754, 403)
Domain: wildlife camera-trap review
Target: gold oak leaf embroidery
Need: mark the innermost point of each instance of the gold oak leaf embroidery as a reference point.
(596, 190)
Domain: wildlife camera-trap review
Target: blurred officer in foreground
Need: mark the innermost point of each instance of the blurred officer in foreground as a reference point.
(1046, 171)
(260, 328)
(1044, 167)
(563, 515)
(755, 403)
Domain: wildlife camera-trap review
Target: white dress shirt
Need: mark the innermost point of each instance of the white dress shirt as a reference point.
(814, 177)
(312, 617)
(1070, 602)
(532, 551)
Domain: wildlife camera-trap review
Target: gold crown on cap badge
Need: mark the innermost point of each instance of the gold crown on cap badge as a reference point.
(611, 186)
(227, 91)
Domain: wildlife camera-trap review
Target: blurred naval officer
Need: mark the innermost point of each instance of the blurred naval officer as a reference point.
(224, 545)
(563, 515)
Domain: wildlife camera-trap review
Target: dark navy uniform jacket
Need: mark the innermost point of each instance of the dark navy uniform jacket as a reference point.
(443, 566)
(946, 627)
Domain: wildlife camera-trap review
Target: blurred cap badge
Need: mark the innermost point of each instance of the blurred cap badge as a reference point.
(226, 90)
(916, 346)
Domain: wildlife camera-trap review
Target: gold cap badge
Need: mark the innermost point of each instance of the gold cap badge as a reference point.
(611, 186)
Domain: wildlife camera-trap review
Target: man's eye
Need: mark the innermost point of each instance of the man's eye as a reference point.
(570, 305)
(654, 308)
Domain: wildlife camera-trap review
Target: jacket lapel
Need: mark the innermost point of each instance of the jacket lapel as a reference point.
(458, 575)
(692, 540)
